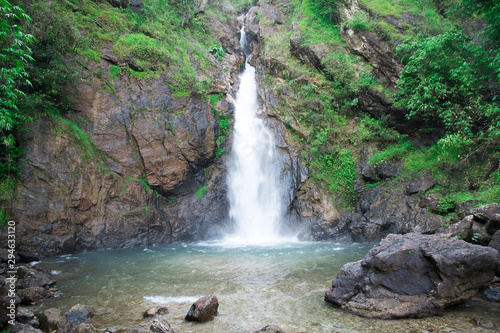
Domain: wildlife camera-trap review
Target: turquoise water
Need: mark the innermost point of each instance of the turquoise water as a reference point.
(282, 285)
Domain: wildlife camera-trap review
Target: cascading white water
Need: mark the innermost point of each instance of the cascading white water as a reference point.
(253, 176)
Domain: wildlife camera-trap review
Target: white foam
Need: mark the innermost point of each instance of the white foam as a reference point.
(168, 300)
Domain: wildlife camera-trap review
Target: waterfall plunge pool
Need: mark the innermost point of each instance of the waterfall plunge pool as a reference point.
(256, 285)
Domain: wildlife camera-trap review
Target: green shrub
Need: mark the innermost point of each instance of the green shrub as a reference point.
(447, 78)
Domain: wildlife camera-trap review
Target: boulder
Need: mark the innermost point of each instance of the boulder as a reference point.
(155, 311)
(421, 184)
(270, 329)
(461, 230)
(32, 296)
(495, 241)
(53, 320)
(30, 277)
(80, 313)
(413, 275)
(489, 215)
(203, 309)
(161, 326)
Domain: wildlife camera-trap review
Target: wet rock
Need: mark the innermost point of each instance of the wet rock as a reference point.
(25, 316)
(24, 328)
(413, 275)
(49, 318)
(161, 326)
(203, 309)
(80, 313)
(85, 328)
(32, 296)
(492, 294)
(495, 241)
(155, 311)
(63, 325)
(270, 329)
(30, 277)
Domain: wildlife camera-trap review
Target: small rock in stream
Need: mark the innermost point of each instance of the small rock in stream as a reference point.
(270, 329)
(155, 311)
(161, 326)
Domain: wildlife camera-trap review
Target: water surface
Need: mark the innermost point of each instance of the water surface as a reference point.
(255, 285)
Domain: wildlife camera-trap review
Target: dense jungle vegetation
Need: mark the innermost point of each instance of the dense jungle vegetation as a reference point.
(448, 86)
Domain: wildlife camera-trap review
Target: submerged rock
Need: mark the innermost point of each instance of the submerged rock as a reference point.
(85, 328)
(413, 275)
(155, 311)
(203, 309)
(270, 329)
(161, 326)
(80, 313)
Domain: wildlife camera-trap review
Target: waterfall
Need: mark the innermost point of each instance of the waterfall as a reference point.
(253, 170)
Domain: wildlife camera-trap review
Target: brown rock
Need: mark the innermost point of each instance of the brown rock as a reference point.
(203, 309)
(161, 326)
(31, 296)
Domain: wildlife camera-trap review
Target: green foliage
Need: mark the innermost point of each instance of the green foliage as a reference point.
(377, 130)
(202, 189)
(393, 153)
(384, 7)
(347, 77)
(447, 78)
(360, 21)
(15, 54)
(335, 167)
(217, 51)
(325, 9)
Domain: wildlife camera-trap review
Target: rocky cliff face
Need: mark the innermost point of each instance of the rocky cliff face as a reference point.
(130, 164)
(147, 167)
(395, 205)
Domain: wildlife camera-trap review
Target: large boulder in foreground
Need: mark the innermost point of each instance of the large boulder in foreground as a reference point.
(203, 309)
(413, 275)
